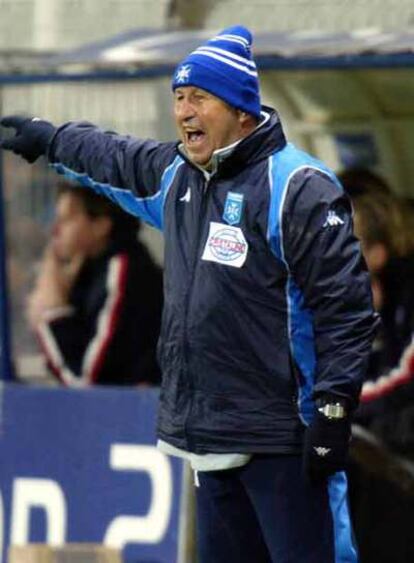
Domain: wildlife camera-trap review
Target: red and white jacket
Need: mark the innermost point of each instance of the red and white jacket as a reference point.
(108, 333)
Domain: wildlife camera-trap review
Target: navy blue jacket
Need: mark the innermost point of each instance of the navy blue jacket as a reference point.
(267, 299)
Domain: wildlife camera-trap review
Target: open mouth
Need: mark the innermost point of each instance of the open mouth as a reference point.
(194, 137)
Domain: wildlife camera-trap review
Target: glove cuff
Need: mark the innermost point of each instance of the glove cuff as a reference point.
(43, 132)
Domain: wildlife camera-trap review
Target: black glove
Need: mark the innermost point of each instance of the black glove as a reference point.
(32, 136)
(326, 446)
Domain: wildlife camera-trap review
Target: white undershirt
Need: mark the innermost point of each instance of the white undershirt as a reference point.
(205, 462)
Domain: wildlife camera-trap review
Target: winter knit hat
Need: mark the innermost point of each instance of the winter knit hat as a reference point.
(224, 67)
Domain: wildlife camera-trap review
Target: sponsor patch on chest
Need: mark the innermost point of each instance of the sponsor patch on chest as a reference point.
(225, 245)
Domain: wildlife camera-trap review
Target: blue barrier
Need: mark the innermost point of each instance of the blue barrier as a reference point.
(81, 466)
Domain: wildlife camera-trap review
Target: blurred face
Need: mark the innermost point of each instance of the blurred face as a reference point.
(205, 123)
(74, 232)
(376, 254)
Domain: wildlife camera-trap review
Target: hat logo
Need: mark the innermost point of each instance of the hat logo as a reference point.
(183, 74)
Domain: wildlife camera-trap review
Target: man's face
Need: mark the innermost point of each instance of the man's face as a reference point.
(73, 231)
(205, 123)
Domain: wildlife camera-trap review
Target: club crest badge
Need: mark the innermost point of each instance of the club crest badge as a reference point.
(183, 74)
(233, 208)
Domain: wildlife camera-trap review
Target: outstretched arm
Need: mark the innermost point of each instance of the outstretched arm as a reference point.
(134, 173)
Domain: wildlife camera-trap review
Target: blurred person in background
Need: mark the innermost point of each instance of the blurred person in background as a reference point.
(97, 301)
(384, 228)
(268, 317)
(385, 239)
(361, 181)
(25, 240)
(382, 512)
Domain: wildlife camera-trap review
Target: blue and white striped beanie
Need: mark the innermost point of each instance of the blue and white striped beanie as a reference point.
(224, 67)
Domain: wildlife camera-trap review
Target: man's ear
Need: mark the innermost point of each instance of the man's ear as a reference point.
(246, 120)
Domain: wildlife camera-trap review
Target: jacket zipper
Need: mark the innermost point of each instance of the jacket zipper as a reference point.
(200, 225)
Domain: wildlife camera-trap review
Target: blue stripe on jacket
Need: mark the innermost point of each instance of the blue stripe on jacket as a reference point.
(283, 165)
(150, 209)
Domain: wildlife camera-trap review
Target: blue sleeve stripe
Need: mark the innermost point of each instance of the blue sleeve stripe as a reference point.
(283, 166)
(150, 209)
(345, 551)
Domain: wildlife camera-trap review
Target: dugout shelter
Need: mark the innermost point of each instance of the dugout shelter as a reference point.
(347, 98)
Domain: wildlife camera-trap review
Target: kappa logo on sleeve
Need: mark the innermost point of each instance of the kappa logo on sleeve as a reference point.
(332, 220)
(225, 245)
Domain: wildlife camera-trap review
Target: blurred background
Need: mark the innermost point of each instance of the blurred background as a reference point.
(341, 75)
